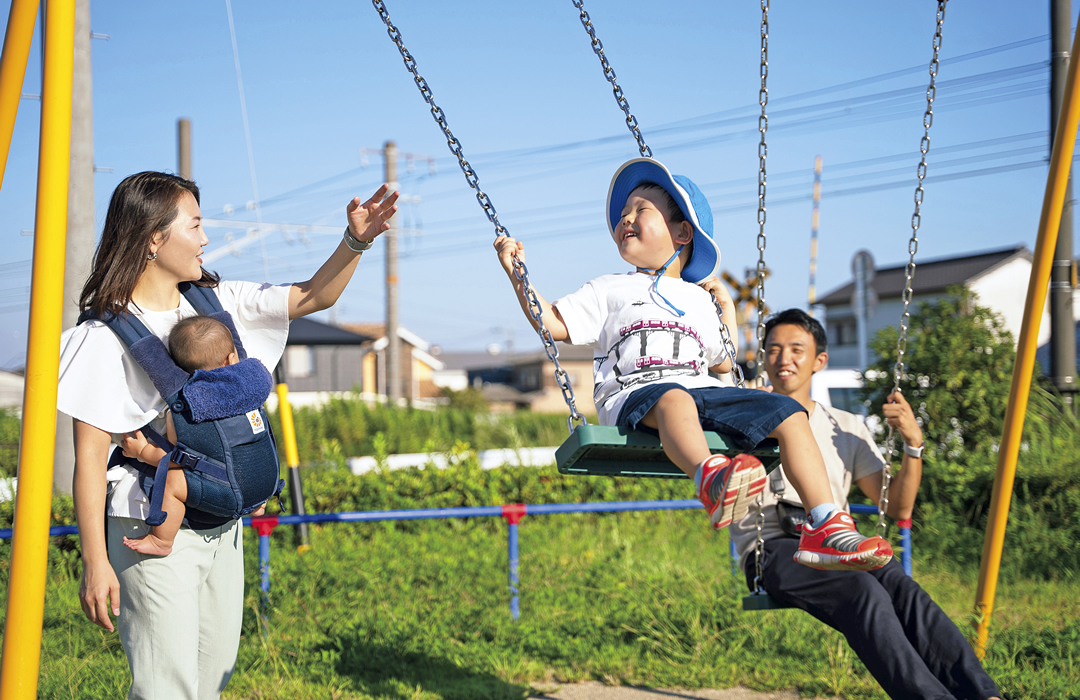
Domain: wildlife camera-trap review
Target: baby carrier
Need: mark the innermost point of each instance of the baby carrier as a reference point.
(223, 442)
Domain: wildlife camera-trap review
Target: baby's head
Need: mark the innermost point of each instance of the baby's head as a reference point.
(202, 342)
(685, 211)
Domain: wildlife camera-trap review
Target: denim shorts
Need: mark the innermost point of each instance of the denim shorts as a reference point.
(746, 415)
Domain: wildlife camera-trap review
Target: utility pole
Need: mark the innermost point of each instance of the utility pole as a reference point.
(80, 219)
(812, 296)
(183, 147)
(393, 350)
(1062, 323)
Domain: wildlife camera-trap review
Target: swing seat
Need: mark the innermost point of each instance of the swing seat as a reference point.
(607, 450)
(763, 601)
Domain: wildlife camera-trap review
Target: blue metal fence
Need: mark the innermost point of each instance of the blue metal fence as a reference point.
(512, 513)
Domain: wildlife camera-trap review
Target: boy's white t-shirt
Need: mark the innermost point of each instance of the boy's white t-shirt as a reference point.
(850, 454)
(101, 385)
(638, 339)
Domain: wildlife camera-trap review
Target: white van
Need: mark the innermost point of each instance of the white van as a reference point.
(838, 388)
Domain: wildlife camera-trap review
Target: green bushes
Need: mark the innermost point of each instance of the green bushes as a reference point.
(10, 428)
(958, 375)
(355, 425)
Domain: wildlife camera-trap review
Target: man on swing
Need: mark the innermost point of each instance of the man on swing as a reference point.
(905, 640)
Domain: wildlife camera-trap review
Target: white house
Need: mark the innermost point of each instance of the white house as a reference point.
(998, 277)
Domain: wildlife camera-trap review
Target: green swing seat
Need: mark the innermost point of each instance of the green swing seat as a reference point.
(763, 601)
(606, 450)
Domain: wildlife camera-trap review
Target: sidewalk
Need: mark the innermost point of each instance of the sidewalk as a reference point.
(598, 691)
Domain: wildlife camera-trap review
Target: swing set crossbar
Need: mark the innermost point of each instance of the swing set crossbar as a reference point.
(605, 450)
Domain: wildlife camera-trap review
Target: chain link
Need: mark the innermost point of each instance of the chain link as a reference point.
(759, 544)
(763, 149)
(520, 271)
(729, 347)
(909, 273)
(609, 73)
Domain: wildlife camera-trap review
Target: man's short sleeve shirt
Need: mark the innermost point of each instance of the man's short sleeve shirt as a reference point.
(850, 454)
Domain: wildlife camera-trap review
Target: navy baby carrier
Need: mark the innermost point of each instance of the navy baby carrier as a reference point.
(234, 457)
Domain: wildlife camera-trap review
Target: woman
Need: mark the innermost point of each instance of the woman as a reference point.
(178, 616)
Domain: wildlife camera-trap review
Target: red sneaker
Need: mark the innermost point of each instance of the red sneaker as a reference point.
(838, 546)
(728, 487)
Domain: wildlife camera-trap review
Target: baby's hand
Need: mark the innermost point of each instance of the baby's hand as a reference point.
(507, 248)
(259, 511)
(133, 444)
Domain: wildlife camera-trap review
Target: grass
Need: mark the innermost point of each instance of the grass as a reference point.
(420, 610)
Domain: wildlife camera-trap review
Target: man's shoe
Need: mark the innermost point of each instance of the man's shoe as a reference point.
(729, 486)
(836, 545)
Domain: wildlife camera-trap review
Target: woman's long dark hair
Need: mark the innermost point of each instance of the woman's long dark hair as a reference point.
(142, 205)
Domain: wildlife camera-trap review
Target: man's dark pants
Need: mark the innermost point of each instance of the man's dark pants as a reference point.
(905, 640)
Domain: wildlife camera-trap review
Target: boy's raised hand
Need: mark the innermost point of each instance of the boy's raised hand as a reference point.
(368, 219)
(507, 248)
(714, 286)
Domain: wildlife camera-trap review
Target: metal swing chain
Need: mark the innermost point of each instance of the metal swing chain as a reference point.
(763, 149)
(520, 270)
(909, 274)
(609, 73)
(632, 124)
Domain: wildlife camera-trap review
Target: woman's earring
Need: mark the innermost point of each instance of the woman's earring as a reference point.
(151, 256)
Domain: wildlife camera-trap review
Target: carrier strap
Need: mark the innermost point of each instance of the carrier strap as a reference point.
(173, 453)
(206, 303)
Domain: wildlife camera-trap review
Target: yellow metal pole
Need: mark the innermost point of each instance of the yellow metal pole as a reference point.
(1049, 220)
(292, 455)
(29, 554)
(292, 461)
(17, 41)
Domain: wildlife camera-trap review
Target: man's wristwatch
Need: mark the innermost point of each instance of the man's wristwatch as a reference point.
(915, 452)
(355, 245)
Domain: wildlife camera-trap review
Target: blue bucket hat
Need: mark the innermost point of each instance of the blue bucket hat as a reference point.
(705, 257)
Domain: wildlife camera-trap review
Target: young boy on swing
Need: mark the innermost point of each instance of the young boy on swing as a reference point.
(656, 335)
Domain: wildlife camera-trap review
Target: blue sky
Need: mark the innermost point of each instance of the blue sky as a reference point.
(525, 96)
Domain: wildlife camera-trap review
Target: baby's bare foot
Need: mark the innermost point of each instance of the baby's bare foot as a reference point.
(149, 544)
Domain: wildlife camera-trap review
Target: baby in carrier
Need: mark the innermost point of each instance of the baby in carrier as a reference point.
(221, 383)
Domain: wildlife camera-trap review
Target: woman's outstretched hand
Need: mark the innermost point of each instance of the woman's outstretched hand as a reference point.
(369, 219)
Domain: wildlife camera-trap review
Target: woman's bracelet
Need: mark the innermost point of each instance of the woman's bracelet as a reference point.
(356, 246)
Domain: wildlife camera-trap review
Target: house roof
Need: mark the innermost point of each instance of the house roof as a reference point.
(495, 392)
(305, 331)
(480, 359)
(931, 276)
(566, 352)
(470, 360)
(378, 331)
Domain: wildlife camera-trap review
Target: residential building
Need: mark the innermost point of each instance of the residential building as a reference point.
(527, 380)
(998, 277)
(418, 365)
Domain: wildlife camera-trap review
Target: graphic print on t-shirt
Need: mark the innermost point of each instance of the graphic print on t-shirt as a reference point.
(651, 350)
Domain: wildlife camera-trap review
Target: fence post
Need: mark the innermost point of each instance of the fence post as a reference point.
(264, 525)
(905, 542)
(512, 514)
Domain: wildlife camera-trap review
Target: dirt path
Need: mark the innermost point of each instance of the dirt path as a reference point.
(598, 691)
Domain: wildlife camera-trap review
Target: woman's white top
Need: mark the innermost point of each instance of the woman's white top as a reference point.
(101, 385)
